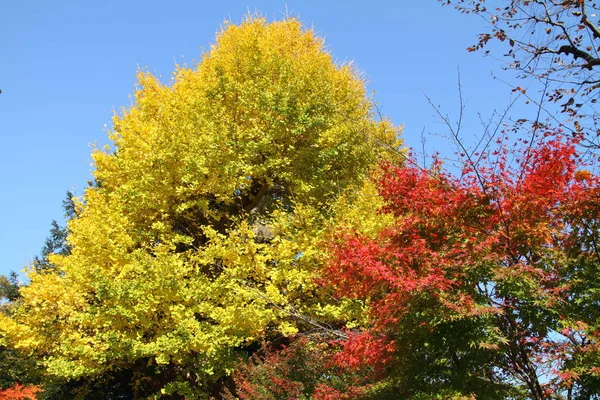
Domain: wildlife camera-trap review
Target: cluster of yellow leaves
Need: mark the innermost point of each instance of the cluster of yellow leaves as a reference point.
(201, 235)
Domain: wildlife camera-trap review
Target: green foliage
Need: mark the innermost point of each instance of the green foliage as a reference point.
(56, 243)
(9, 287)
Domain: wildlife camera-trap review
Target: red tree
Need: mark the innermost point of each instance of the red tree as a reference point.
(486, 285)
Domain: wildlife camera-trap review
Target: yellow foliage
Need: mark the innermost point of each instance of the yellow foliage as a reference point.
(201, 235)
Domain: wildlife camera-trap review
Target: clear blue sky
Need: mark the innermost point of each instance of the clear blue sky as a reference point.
(65, 65)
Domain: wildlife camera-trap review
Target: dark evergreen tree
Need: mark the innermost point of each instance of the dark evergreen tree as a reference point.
(56, 242)
(9, 287)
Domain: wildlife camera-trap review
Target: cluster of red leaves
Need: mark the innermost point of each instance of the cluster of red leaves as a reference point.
(507, 249)
(20, 392)
(364, 350)
(297, 371)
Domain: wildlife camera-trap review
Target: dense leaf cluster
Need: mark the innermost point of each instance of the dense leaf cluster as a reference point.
(199, 239)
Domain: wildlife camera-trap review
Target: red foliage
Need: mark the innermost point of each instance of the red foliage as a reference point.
(300, 370)
(20, 392)
(364, 350)
(504, 249)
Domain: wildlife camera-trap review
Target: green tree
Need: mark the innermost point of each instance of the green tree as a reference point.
(56, 242)
(9, 287)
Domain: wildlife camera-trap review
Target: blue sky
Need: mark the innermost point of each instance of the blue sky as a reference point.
(66, 65)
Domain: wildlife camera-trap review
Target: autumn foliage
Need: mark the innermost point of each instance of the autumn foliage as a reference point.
(199, 237)
(302, 369)
(254, 232)
(19, 392)
(486, 284)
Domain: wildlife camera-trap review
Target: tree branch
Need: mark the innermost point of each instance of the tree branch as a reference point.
(578, 53)
(587, 22)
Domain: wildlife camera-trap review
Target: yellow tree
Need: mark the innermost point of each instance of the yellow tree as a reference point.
(199, 239)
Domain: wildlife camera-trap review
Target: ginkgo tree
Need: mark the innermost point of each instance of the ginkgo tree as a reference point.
(198, 239)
